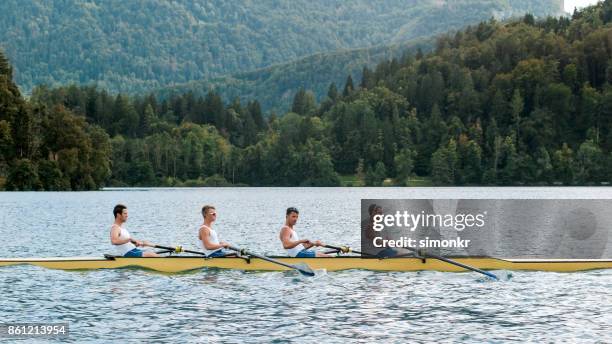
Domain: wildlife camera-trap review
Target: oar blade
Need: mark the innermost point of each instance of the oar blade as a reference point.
(492, 276)
(304, 269)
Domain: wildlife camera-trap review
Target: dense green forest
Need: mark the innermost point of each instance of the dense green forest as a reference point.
(47, 148)
(274, 87)
(140, 45)
(526, 102)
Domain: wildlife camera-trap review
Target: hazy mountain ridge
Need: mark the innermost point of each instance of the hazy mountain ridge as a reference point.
(274, 87)
(139, 45)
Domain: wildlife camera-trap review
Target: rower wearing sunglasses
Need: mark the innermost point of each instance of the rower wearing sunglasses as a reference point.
(296, 247)
(208, 237)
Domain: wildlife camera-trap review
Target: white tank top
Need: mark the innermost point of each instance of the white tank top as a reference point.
(128, 246)
(292, 252)
(214, 238)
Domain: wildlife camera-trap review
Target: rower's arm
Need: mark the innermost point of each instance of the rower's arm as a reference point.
(116, 238)
(285, 237)
(205, 237)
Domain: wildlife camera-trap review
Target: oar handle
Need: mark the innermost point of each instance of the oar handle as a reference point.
(234, 248)
(346, 249)
(179, 249)
(343, 249)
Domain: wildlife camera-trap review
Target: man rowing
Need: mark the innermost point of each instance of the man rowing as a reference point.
(208, 237)
(369, 235)
(125, 245)
(291, 241)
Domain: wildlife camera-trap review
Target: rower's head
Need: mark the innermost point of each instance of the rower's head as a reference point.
(292, 215)
(120, 212)
(209, 213)
(375, 209)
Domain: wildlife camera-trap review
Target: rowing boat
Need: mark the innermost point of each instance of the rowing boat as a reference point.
(187, 263)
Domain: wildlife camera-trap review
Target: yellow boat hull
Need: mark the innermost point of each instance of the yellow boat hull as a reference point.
(179, 264)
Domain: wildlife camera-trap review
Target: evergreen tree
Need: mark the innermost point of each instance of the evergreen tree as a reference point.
(147, 120)
(404, 165)
(590, 162)
(544, 169)
(564, 164)
(125, 117)
(376, 176)
(367, 79)
(303, 103)
(360, 172)
(23, 132)
(470, 156)
(589, 111)
(6, 142)
(517, 104)
(606, 13)
(348, 87)
(444, 164)
(254, 109)
(214, 110)
(5, 67)
(508, 162)
(332, 92)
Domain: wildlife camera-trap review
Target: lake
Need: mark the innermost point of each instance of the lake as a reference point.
(236, 307)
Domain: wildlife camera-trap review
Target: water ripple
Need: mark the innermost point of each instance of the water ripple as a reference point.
(276, 307)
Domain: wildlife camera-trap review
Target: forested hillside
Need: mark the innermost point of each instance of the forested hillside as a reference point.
(274, 87)
(140, 45)
(526, 102)
(48, 148)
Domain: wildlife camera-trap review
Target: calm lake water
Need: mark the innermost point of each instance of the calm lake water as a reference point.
(236, 307)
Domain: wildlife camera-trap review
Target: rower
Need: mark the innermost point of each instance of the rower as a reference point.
(367, 229)
(208, 237)
(291, 241)
(125, 245)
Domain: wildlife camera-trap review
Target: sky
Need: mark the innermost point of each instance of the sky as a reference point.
(570, 4)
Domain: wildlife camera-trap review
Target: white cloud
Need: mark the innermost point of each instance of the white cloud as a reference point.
(571, 4)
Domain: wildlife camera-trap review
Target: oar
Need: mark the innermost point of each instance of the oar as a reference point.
(345, 249)
(450, 261)
(304, 269)
(179, 249)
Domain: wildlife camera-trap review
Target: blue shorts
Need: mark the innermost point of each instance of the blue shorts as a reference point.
(134, 253)
(220, 253)
(306, 254)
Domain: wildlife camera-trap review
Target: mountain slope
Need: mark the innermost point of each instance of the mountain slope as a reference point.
(137, 45)
(274, 87)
